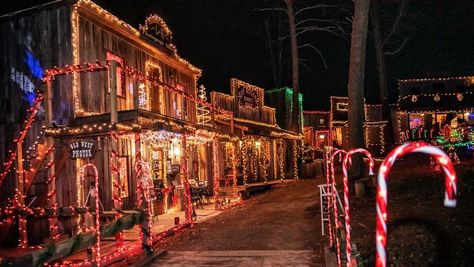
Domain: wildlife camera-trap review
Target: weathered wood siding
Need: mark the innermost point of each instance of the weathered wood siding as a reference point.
(30, 43)
(95, 39)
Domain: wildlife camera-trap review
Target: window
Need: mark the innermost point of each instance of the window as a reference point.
(415, 90)
(321, 121)
(341, 106)
(121, 86)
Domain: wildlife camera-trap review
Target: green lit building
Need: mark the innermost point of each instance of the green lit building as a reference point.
(282, 100)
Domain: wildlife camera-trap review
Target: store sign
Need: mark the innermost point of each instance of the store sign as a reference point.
(247, 97)
(156, 30)
(81, 150)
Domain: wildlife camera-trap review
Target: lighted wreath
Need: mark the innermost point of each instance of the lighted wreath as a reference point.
(460, 97)
(414, 98)
(437, 98)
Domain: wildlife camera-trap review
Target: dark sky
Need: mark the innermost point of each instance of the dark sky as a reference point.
(226, 38)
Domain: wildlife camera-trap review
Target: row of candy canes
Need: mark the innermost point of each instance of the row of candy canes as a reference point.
(422, 134)
(381, 197)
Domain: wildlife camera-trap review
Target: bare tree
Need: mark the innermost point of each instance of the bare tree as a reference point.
(356, 78)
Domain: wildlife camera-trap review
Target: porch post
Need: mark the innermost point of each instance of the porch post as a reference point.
(187, 187)
(115, 175)
(51, 197)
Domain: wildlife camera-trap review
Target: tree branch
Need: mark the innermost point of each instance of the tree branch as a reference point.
(313, 7)
(396, 23)
(317, 51)
(271, 9)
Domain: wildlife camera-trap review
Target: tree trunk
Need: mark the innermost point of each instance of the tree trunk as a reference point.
(294, 66)
(381, 72)
(270, 49)
(356, 79)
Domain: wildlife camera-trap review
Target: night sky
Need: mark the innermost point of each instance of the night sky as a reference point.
(227, 38)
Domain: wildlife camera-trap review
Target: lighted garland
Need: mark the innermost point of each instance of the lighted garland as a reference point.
(347, 161)
(216, 174)
(327, 161)
(382, 190)
(281, 159)
(26, 127)
(187, 187)
(117, 184)
(295, 160)
(244, 151)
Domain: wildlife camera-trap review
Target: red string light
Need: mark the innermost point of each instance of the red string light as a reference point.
(347, 161)
(382, 192)
(334, 202)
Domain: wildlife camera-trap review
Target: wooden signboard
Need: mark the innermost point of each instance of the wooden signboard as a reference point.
(84, 149)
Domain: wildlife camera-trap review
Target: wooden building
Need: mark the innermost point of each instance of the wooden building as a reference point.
(103, 95)
(282, 100)
(267, 153)
(425, 105)
(375, 129)
(317, 133)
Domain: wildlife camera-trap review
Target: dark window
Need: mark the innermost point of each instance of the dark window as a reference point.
(415, 90)
(439, 88)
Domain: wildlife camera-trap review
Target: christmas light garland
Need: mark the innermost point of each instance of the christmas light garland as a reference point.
(382, 190)
(347, 161)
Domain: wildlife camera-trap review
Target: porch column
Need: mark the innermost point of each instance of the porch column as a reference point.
(215, 167)
(187, 187)
(143, 195)
(115, 175)
(49, 141)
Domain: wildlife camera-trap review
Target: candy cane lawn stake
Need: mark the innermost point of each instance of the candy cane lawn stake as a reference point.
(327, 157)
(334, 202)
(95, 192)
(381, 197)
(347, 160)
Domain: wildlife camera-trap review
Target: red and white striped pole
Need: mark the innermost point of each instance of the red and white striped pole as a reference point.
(327, 156)
(347, 161)
(381, 197)
(95, 192)
(334, 202)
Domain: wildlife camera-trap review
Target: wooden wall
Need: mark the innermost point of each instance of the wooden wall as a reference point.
(95, 40)
(30, 43)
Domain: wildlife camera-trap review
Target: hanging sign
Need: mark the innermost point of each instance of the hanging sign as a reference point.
(156, 30)
(247, 97)
(81, 149)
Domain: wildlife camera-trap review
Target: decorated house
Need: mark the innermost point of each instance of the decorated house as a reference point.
(282, 100)
(317, 133)
(266, 152)
(375, 129)
(437, 110)
(113, 123)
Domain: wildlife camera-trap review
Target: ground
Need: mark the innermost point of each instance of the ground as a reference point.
(422, 232)
(284, 225)
(279, 227)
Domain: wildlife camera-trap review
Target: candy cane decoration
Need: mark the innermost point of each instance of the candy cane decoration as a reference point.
(431, 133)
(403, 137)
(426, 133)
(329, 187)
(95, 192)
(381, 197)
(334, 202)
(347, 160)
(420, 131)
(413, 133)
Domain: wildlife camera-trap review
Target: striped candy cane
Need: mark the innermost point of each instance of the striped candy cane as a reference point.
(334, 202)
(96, 248)
(329, 198)
(347, 160)
(381, 197)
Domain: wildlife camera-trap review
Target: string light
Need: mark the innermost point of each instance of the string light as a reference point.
(347, 161)
(339, 152)
(382, 190)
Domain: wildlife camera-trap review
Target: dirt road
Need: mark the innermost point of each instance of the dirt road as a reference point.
(278, 228)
